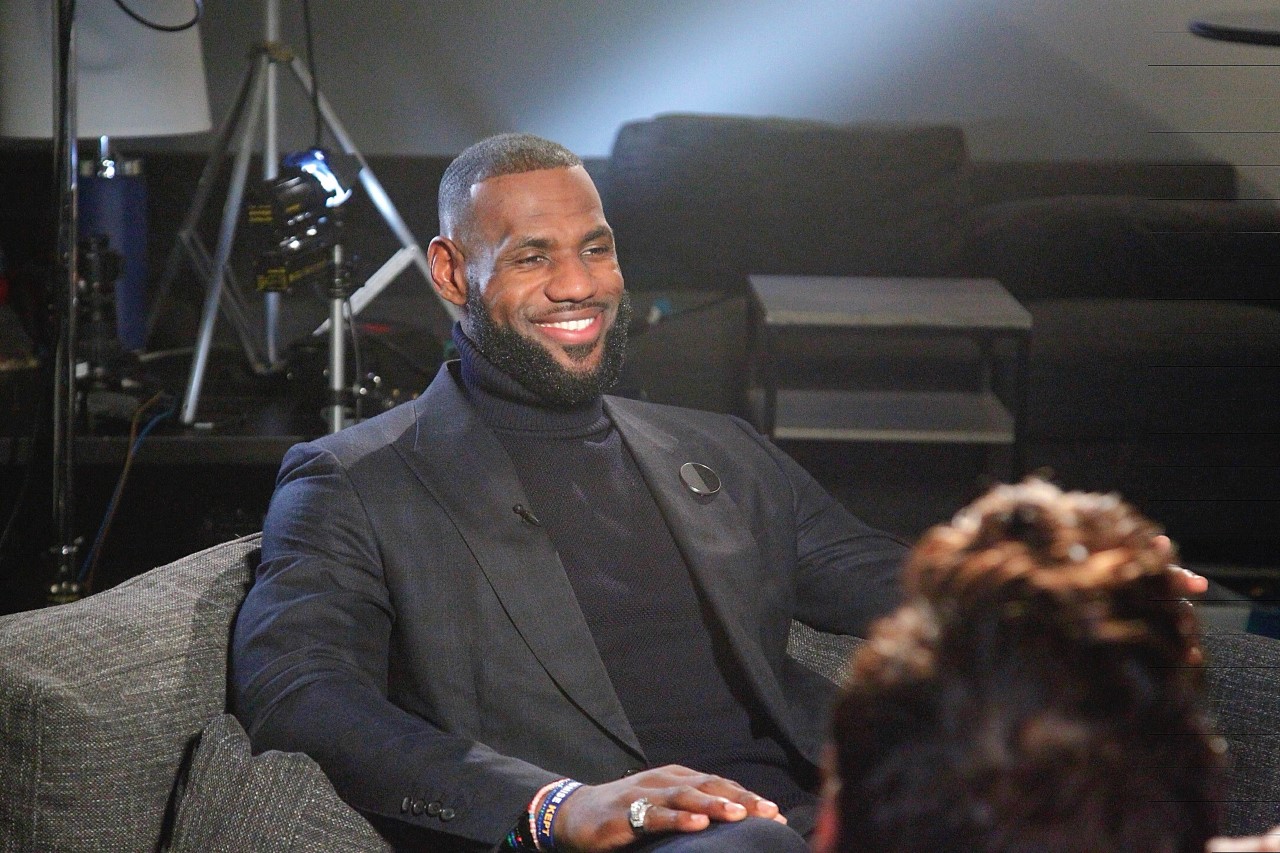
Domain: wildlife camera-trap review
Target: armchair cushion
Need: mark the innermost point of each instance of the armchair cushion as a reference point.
(99, 699)
(277, 801)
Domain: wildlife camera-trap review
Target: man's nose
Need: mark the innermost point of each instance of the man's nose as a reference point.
(571, 281)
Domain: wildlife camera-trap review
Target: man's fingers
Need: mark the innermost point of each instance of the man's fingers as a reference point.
(666, 819)
(738, 804)
(727, 789)
(692, 814)
(1190, 582)
(1269, 842)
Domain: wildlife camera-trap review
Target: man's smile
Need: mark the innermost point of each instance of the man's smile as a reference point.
(572, 325)
(573, 328)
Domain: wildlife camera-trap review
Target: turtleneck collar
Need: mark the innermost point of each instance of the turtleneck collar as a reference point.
(505, 404)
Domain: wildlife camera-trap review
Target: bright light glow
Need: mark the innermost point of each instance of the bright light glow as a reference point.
(315, 163)
(757, 57)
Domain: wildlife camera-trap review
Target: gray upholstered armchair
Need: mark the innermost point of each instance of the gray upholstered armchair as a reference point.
(115, 735)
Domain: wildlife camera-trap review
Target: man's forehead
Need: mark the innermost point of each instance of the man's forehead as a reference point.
(530, 177)
(535, 199)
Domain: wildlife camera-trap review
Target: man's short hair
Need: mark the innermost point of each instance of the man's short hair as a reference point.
(1036, 692)
(504, 154)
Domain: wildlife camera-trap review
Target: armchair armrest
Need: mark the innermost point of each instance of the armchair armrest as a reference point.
(826, 654)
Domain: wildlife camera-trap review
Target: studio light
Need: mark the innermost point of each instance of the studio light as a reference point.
(296, 215)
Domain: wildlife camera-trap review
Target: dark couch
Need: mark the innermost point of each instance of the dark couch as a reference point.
(1155, 354)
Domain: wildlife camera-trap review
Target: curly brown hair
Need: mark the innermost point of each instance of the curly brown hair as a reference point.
(1035, 693)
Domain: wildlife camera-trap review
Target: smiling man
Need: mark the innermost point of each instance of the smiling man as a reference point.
(532, 259)
(517, 613)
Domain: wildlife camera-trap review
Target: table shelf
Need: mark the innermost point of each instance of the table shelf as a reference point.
(980, 310)
(925, 416)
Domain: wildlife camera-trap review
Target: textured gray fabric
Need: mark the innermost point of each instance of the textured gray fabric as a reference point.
(277, 801)
(826, 654)
(99, 699)
(1243, 681)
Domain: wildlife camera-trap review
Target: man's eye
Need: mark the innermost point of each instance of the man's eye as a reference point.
(599, 250)
(529, 260)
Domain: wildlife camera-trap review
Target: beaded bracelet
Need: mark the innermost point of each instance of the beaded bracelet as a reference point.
(524, 837)
(544, 825)
(519, 839)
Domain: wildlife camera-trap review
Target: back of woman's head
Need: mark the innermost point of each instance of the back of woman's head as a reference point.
(1035, 693)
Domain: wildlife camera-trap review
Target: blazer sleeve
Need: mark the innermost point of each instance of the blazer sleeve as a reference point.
(847, 573)
(309, 672)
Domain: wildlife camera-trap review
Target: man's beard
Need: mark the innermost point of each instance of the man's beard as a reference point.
(532, 364)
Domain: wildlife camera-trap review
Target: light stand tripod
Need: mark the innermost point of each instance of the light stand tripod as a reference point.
(221, 289)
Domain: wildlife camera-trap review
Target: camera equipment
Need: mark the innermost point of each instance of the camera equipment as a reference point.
(99, 268)
(105, 392)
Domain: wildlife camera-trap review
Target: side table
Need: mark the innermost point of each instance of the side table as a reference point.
(979, 309)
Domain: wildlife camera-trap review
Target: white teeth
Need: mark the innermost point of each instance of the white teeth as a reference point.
(571, 325)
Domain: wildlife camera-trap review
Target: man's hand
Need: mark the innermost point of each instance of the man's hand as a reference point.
(594, 817)
(1189, 583)
(1270, 841)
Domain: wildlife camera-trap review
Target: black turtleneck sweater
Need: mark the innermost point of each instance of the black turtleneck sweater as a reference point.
(667, 658)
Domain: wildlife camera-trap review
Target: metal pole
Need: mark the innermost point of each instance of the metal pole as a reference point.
(270, 171)
(65, 586)
(337, 354)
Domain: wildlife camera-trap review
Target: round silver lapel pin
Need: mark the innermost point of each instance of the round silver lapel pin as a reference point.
(700, 479)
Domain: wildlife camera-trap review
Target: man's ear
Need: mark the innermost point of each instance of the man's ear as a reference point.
(448, 270)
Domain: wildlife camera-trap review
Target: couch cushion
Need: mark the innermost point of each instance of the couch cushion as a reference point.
(1125, 246)
(99, 699)
(700, 201)
(1135, 368)
(279, 801)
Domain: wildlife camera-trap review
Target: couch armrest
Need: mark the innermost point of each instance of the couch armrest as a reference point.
(826, 654)
(1243, 689)
(279, 801)
(99, 700)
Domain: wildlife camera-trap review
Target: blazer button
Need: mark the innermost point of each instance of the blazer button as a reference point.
(631, 771)
(417, 807)
(404, 805)
(433, 808)
(447, 814)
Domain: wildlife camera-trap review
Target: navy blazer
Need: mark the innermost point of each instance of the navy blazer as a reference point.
(421, 641)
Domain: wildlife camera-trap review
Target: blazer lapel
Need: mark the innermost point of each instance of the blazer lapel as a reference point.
(461, 462)
(714, 535)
